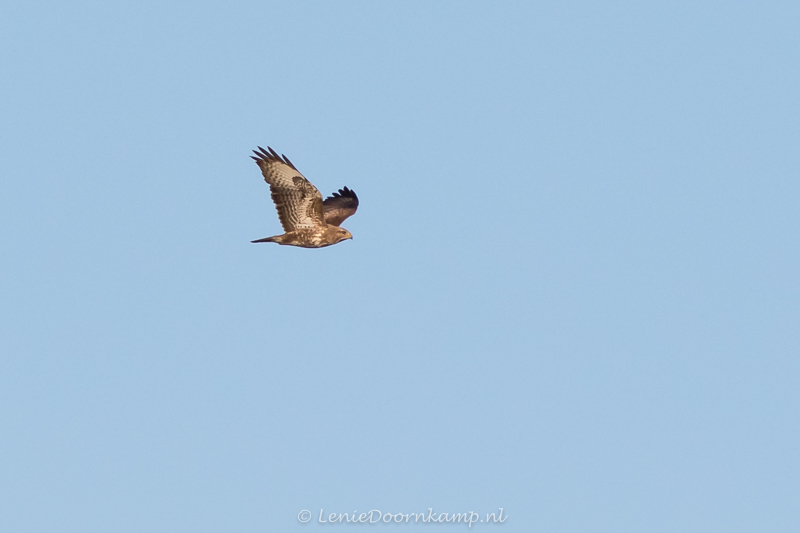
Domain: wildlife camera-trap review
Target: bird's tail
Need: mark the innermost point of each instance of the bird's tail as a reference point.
(268, 239)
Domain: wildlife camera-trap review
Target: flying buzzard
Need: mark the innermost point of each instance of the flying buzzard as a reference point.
(307, 220)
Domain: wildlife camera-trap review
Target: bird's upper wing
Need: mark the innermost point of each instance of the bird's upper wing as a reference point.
(298, 202)
(338, 207)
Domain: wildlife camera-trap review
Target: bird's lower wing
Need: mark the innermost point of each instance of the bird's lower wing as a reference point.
(338, 207)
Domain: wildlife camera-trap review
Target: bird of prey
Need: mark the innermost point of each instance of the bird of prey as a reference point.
(307, 220)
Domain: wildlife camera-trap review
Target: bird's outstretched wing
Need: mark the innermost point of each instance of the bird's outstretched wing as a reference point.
(298, 202)
(338, 207)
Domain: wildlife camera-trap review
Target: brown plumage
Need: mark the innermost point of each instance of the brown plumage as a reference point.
(307, 220)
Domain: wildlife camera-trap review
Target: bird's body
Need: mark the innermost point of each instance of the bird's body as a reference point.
(311, 238)
(307, 220)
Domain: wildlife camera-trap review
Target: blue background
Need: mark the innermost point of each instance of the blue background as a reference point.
(572, 291)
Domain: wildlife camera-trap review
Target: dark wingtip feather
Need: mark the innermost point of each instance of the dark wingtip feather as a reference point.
(271, 155)
(286, 160)
(345, 193)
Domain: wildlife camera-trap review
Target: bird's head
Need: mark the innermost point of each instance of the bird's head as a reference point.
(343, 235)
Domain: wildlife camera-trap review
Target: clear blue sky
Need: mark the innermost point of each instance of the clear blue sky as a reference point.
(572, 290)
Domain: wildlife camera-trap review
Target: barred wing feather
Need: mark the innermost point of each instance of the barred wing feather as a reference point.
(298, 202)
